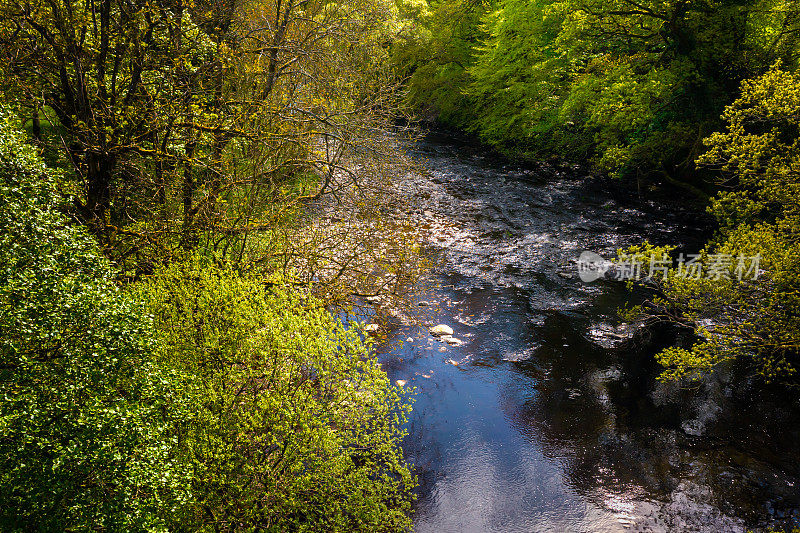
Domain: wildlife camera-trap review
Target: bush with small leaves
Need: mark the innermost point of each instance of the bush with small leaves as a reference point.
(86, 419)
(296, 426)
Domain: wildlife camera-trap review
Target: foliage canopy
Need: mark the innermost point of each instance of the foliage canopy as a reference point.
(754, 320)
(86, 419)
(296, 426)
(635, 86)
(201, 399)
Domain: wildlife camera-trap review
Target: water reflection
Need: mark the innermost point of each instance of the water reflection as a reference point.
(540, 421)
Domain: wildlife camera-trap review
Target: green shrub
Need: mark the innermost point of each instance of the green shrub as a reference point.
(85, 417)
(296, 426)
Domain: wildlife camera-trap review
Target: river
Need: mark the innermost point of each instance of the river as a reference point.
(543, 420)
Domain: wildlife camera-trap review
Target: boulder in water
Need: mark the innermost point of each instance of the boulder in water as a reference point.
(441, 329)
(449, 339)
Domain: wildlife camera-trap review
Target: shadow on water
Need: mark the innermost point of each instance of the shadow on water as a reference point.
(544, 419)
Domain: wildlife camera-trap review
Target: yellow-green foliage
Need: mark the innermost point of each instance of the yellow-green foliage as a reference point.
(296, 428)
(517, 83)
(755, 320)
(435, 59)
(198, 400)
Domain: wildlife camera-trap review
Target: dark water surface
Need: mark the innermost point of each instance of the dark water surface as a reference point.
(539, 421)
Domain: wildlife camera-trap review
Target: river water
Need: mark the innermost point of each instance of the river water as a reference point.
(543, 420)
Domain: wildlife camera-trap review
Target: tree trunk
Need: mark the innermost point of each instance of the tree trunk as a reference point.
(99, 169)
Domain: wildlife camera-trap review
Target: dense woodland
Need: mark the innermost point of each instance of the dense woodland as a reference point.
(191, 191)
(165, 363)
(702, 96)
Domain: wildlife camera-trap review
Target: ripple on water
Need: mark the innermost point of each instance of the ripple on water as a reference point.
(529, 425)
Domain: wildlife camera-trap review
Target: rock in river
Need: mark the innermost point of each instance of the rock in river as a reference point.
(449, 339)
(441, 329)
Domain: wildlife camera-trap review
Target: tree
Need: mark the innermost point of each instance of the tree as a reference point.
(86, 420)
(653, 77)
(202, 399)
(632, 85)
(296, 426)
(188, 125)
(435, 60)
(519, 79)
(748, 313)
